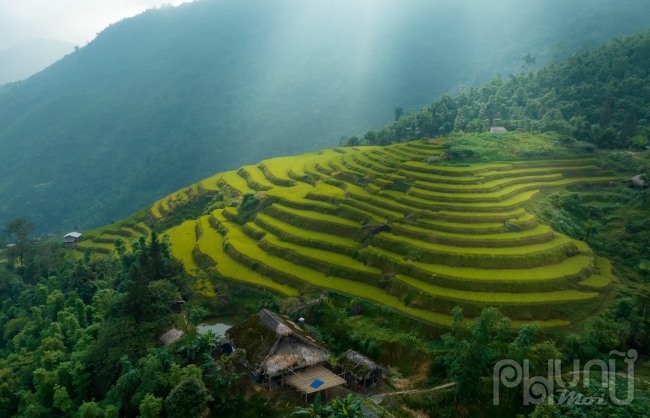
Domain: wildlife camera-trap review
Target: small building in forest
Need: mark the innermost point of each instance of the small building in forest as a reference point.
(170, 337)
(360, 373)
(498, 130)
(638, 181)
(71, 238)
(278, 352)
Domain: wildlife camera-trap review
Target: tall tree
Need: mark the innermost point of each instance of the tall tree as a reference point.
(16, 235)
(472, 348)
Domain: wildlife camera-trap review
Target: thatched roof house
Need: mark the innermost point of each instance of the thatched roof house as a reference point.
(637, 181)
(361, 373)
(274, 345)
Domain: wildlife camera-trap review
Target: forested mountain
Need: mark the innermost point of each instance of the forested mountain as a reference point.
(600, 96)
(161, 100)
(20, 61)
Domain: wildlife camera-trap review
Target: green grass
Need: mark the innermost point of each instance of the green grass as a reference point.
(572, 267)
(489, 186)
(254, 178)
(497, 298)
(309, 165)
(559, 242)
(350, 163)
(183, 240)
(253, 230)
(541, 233)
(457, 227)
(533, 171)
(439, 179)
(96, 245)
(424, 145)
(276, 169)
(603, 277)
(359, 193)
(383, 213)
(453, 170)
(300, 191)
(503, 205)
(310, 215)
(470, 217)
(454, 248)
(409, 153)
(505, 192)
(233, 183)
(328, 262)
(298, 235)
(312, 277)
(338, 164)
(155, 210)
(210, 184)
(409, 148)
(211, 244)
(381, 158)
(392, 154)
(566, 162)
(363, 159)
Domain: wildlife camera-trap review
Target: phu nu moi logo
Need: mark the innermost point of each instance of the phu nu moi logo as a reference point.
(536, 389)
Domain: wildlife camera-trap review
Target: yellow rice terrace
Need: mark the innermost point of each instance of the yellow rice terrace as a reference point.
(387, 225)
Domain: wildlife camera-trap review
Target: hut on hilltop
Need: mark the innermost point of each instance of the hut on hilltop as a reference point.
(361, 374)
(277, 351)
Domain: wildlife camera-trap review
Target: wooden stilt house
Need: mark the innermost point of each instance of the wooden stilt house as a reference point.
(278, 352)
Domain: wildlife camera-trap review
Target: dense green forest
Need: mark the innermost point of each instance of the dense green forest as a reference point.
(79, 339)
(173, 95)
(600, 96)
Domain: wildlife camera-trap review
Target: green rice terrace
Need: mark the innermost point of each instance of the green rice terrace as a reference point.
(390, 225)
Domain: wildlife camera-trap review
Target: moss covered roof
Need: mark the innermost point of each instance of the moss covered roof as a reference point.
(359, 365)
(274, 344)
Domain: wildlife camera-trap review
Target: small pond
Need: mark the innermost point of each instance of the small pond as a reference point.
(218, 325)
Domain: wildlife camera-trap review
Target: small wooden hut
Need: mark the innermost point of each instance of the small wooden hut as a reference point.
(170, 337)
(361, 374)
(277, 351)
(71, 238)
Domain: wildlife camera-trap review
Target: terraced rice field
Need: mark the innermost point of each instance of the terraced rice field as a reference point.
(380, 223)
(102, 240)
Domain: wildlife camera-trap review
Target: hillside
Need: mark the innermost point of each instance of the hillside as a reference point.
(168, 97)
(600, 96)
(395, 225)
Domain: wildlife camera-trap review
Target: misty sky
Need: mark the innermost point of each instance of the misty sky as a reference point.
(73, 21)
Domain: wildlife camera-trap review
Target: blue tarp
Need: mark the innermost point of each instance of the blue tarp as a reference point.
(316, 383)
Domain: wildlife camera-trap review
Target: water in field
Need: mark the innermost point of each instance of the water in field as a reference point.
(218, 325)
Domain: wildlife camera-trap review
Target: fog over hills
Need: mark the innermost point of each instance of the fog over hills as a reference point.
(29, 57)
(171, 96)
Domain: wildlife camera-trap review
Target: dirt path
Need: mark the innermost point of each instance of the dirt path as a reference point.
(380, 396)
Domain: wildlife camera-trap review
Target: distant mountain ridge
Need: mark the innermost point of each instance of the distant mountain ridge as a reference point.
(175, 94)
(599, 96)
